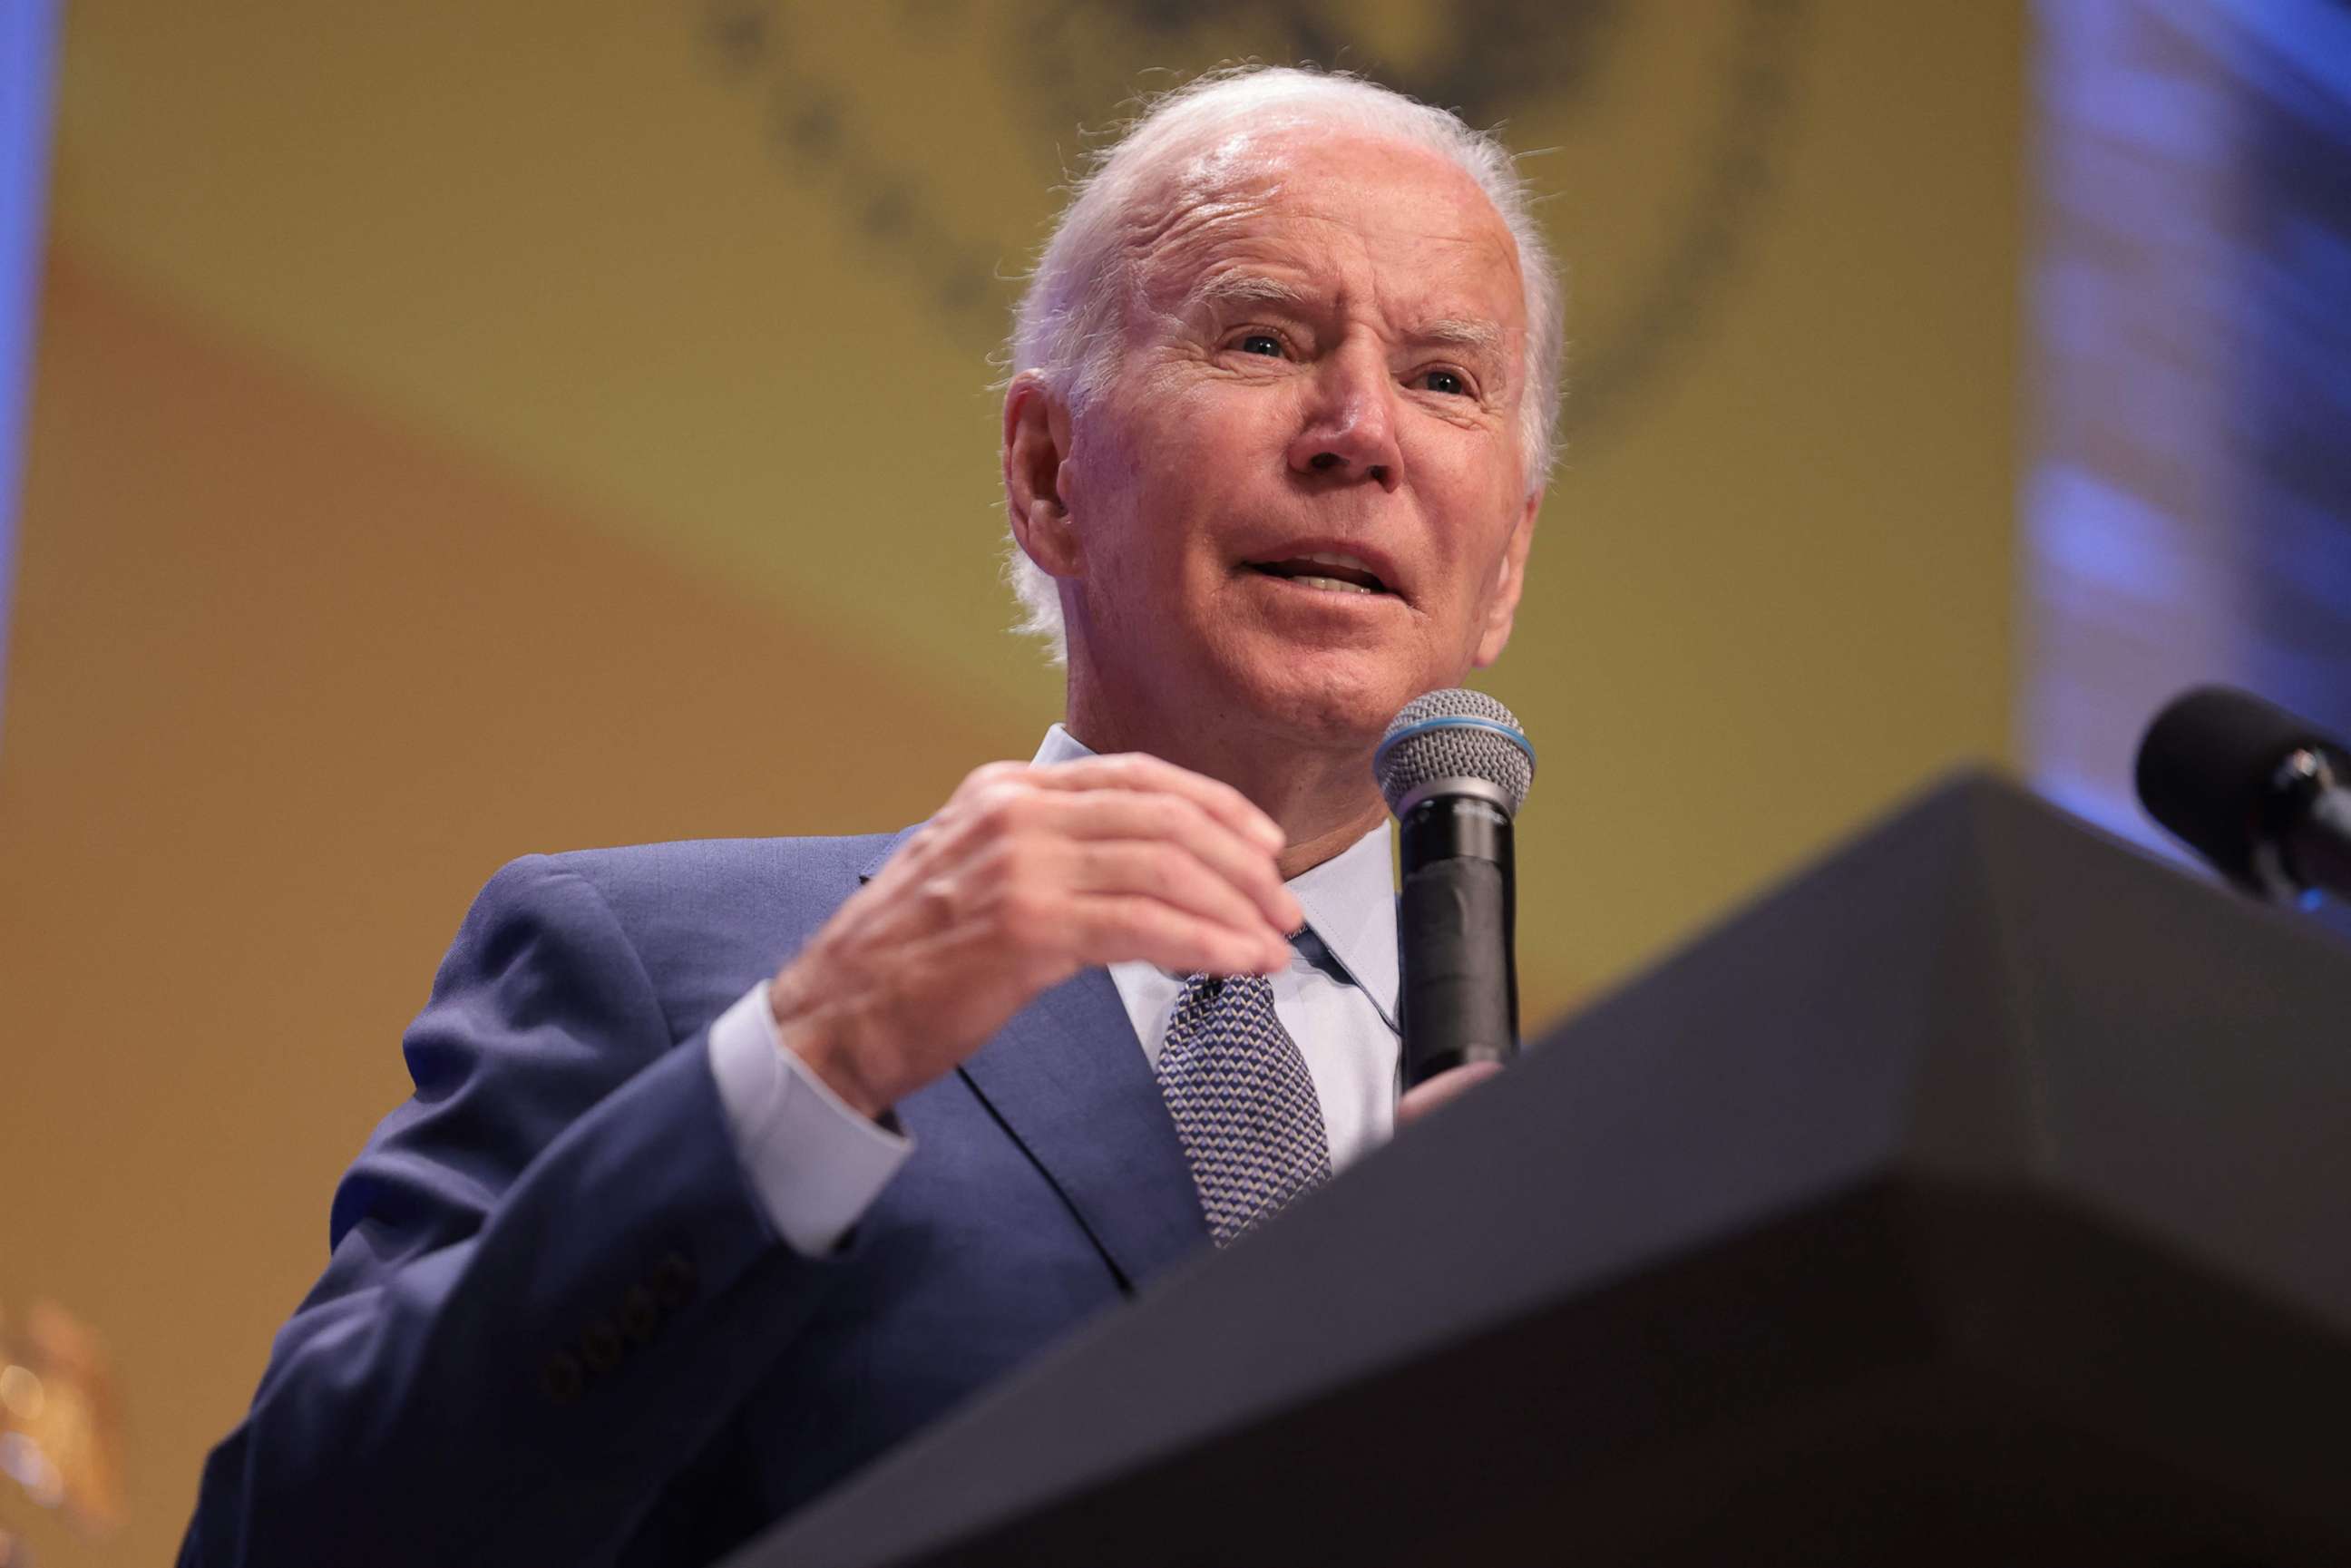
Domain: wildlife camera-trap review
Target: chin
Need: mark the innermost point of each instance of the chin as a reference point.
(1330, 698)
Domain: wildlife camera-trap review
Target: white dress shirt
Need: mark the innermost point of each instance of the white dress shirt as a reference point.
(818, 1165)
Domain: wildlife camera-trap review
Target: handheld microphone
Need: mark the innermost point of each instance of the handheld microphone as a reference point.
(2256, 790)
(1455, 768)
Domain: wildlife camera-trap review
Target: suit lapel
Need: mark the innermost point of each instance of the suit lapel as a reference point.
(1068, 1080)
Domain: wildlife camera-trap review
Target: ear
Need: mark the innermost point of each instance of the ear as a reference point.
(1036, 445)
(1502, 609)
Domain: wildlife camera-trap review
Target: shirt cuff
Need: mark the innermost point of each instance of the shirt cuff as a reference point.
(816, 1163)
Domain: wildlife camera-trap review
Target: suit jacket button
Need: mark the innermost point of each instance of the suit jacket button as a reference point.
(600, 1346)
(561, 1380)
(673, 1280)
(640, 1314)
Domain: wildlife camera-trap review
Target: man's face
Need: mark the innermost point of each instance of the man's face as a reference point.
(1325, 359)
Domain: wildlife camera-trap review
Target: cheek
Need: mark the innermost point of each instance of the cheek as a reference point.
(1484, 551)
(1214, 460)
(1219, 429)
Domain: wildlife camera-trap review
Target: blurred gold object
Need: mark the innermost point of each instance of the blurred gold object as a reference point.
(60, 1424)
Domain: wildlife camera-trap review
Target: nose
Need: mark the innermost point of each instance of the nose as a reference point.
(1349, 433)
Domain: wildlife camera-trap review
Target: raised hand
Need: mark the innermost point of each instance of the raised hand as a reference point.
(1026, 876)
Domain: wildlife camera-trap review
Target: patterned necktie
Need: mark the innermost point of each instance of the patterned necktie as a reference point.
(1244, 1106)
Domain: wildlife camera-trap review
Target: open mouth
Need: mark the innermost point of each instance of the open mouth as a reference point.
(1332, 572)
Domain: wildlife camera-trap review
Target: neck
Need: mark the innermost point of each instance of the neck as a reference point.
(1323, 797)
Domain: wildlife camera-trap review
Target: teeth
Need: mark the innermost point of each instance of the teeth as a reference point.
(1324, 558)
(1332, 582)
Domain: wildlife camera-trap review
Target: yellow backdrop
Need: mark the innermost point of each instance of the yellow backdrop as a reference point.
(464, 429)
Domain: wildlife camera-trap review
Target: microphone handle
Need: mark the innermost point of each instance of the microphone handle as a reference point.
(1455, 923)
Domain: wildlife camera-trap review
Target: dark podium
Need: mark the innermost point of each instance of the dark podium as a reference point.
(1983, 1195)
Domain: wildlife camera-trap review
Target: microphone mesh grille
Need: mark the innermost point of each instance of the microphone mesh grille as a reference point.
(1404, 762)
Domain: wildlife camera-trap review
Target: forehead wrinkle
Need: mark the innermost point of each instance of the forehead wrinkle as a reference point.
(1353, 261)
(1167, 258)
(1225, 221)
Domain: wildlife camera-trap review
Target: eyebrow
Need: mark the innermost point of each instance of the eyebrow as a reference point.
(1250, 288)
(1460, 332)
(1254, 288)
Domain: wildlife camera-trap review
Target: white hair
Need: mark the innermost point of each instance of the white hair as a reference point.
(1070, 323)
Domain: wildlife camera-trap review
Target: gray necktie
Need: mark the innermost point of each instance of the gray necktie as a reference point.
(1244, 1106)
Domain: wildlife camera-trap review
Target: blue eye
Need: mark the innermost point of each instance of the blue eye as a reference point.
(1264, 343)
(1448, 382)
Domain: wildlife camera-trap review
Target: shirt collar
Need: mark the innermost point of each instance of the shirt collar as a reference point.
(1349, 899)
(1060, 746)
(1350, 902)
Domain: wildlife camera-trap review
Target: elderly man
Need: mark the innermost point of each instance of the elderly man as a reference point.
(731, 1164)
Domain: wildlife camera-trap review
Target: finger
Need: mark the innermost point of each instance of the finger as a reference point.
(1442, 1089)
(1172, 875)
(1139, 770)
(1156, 818)
(1114, 928)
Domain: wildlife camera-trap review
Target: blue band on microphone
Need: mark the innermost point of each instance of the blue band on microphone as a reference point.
(1454, 721)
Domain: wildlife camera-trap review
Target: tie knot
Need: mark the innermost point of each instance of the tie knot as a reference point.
(1231, 1001)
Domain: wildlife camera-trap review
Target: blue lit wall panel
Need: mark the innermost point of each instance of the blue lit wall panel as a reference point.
(2188, 518)
(27, 49)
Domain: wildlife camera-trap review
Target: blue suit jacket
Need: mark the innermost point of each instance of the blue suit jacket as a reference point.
(558, 1327)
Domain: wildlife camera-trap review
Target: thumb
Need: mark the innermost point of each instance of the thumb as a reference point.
(1440, 1090)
